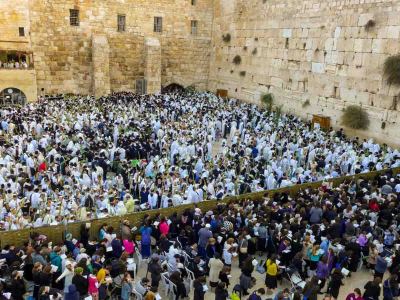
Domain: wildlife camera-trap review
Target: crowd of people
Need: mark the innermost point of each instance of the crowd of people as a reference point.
(14, 65)
(319, 236)
(78, 158)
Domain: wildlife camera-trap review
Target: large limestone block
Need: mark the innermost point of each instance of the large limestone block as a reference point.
(364, 18)
(100, 65)
(153, 65)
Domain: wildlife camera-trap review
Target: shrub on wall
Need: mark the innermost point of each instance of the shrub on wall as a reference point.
(355, 117)
(306, 103)
(254, 52)
(237, 60)
(242, 73)
(226, 37)
(391, 71)
(370, 24)
(267, 100)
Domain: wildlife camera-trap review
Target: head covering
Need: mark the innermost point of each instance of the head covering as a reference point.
(68, 237)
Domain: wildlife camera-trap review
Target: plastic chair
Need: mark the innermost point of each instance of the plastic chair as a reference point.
(138, 296)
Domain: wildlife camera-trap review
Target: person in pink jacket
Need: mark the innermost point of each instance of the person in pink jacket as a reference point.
(93, 288)
(129, 246)
(164, 227)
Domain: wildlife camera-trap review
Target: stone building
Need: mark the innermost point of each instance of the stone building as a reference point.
(315, 57)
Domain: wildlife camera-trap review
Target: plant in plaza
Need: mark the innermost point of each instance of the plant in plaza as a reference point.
(190, 89)
(355, 117)
(277, 113)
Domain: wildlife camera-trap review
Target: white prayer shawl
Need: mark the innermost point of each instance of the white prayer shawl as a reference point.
(152, 200)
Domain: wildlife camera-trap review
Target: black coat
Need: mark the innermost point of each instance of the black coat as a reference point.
(17, 289)
(198, 291)
(81, 284)
(221, 294)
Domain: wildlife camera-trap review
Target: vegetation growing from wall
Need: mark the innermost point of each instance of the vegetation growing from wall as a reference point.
(355, 117)
(242, 73)
(254, 52)
(306, 103)
(391, 71)
(267, 100)
(370, 24)
(226, 37)
(237, 60)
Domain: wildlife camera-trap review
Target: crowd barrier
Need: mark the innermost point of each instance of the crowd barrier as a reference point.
(57, 233)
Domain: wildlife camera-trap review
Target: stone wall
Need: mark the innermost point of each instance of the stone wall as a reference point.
(100, 65)
(321, 51)
(14, 14)
(153, 65)
(63, 53)
(24, 80)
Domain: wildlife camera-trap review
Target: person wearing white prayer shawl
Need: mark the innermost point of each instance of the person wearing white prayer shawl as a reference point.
(192, 196)
(177, 200)
(271, 182)
(149, 169)
(38, 222)
(120, 208)
(165, 201)
(86, 181)
(153, 200)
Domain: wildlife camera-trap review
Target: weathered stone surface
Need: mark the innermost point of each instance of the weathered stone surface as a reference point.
(314, 50)
(101, 65)
(63, 54)
(153, 65)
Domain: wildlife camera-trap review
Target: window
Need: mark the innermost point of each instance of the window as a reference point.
(121, 23)
(21, 31)
(193, 27)
(193, 2)
(157, 24)
(74, 17)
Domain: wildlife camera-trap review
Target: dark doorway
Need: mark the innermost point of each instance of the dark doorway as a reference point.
(12, 96)
(173, 88)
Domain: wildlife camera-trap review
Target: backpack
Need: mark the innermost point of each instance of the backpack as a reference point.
(260, 267)
(234, 296)
(388, 291)
(254, 296)
(389, 239)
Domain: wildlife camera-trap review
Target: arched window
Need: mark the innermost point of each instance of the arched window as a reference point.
(12, 96)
